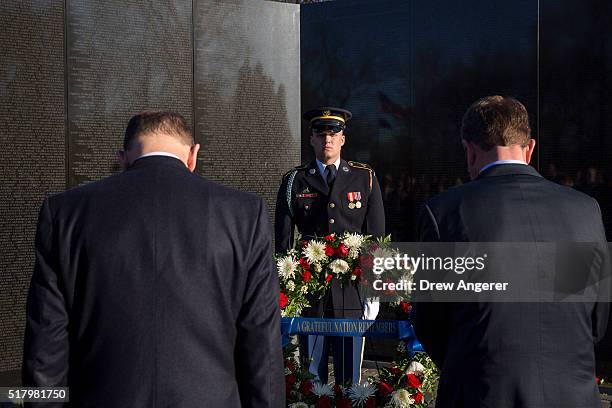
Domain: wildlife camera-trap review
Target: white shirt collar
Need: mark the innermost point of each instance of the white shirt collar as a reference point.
(495, 163)
(322, 166)
(158, 154)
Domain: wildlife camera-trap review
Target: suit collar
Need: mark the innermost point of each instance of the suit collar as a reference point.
(156, 160)
(508, 169)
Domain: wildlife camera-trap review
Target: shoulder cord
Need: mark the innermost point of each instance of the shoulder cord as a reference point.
(289, 188)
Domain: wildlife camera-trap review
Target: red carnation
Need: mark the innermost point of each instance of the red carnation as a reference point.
(384, 389)
(324, 402)
(418, 398)
(342, 251)
(343, 403)
(283, 300)
(306, 276)
(304, 243)
(328, 278)
(337, 389)
(306, 387)
(288, 388)
(373, 247)
(290, 379)
(367, 262)
(396, 371)
(405, 307)
(371, 403)
(413, 381)
(329, 250)
(290, 365)
(329, 238)
(304, 264)
(357, 272)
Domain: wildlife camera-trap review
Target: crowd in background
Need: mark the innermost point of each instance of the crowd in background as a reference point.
(404, 193)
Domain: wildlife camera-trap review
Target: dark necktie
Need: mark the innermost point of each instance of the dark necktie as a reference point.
(330, 169)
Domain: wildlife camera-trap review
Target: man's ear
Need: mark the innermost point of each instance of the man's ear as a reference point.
(123, 159)
(192, 159)
(529, 150)
(470, 153)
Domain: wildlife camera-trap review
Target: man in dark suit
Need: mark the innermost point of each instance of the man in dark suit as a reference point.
(331, 195)
(509, 355)
(155, 287)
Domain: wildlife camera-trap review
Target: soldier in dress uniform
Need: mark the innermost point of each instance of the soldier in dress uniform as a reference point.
(330, 195)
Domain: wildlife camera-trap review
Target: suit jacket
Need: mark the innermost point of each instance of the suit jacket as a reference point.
(304, 200)
(507, 355)
(155, 288)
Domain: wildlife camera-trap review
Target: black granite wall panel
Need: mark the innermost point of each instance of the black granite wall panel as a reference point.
(32, 153)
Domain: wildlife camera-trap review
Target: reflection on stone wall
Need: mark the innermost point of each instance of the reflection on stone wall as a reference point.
(247, 110)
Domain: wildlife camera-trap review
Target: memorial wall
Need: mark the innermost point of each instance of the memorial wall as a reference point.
(408, 70)
(72, 73)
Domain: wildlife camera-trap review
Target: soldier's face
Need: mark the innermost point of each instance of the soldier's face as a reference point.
(327, 145)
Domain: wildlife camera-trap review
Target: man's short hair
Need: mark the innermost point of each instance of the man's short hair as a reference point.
(496, 121)
(150, 123)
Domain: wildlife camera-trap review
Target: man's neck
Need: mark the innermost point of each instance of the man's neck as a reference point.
(327, 162)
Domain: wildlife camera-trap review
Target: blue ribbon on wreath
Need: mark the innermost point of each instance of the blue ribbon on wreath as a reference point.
(389, 329)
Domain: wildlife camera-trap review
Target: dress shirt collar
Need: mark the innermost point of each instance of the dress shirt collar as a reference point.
(322, 166)
(158, 154)
(497, 162)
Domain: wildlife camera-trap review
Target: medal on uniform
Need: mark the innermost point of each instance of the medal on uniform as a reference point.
(353, 198)
(357, 199)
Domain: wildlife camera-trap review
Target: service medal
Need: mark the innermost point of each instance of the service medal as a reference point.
(351, 205)
(358, 204)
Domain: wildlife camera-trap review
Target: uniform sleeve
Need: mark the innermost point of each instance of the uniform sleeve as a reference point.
(46, 347)
(428, 318)
(283, 223)
(375, 216)
(258, 353)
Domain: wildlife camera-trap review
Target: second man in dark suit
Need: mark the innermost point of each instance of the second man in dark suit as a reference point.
(522, 354)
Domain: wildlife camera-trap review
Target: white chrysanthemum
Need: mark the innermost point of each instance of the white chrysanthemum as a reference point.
(292, 252)
(339, 266)
(360, 393)
(286, 267)
(304, 289)
(415, 368)
(318, 267)
(401, 399)
(299, 404)
(353, 241)
(353, 253)
(320, 390)
(290, 286)
(315, 251)
(382, 253)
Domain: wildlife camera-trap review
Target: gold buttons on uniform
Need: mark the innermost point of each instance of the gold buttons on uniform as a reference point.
(331, 220)
(332, 205)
